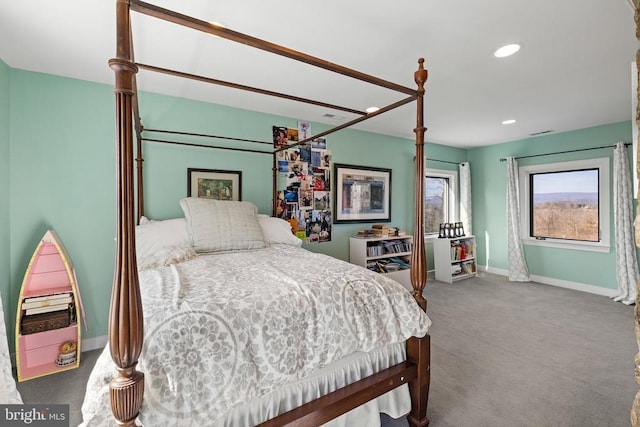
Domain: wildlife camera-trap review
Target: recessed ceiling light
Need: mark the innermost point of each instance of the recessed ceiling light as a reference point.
(509, 122)
(507, 50)
(371, 110)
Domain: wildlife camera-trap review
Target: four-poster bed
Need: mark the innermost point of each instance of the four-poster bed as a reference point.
(126, 323)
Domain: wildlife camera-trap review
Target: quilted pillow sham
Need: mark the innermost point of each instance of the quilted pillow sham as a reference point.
(222, 225)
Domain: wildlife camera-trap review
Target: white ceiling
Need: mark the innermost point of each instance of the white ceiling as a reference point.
(574, 70)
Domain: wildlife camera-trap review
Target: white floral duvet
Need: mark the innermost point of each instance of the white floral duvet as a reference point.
(9, 394)
(227, 328)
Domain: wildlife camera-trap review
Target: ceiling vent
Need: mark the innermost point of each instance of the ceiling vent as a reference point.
(541, 133)
(333, 116)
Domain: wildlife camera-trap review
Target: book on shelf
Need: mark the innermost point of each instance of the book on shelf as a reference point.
(47, 300)
(468, 267)
(396, 246)
(47, 309)
(381, 230)
(375, 250)
(392, 266)
(366, 233)
(403, 263)
(388, 265)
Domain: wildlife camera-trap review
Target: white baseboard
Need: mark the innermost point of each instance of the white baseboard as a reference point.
(94, 343)
(557, 282)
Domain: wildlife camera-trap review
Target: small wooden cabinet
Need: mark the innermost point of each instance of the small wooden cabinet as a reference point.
(390, 256)
(47, 330)
(454, 258)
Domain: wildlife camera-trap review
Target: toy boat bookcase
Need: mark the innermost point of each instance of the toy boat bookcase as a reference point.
(47, 327)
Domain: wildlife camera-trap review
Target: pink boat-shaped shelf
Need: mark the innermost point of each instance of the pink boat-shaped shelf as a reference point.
(47, 332)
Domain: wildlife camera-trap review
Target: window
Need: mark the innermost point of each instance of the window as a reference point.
(566, 204)
(440, 197)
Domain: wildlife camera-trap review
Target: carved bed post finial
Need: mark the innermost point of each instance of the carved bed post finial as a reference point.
(125, 312)
(635, 409)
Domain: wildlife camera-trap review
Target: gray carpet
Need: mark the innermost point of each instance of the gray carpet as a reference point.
(503, 354)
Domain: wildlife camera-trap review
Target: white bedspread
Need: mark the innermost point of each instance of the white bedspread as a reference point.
(9, 394)
(227, 328)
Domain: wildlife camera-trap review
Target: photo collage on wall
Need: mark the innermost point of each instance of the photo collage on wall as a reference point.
(304, 187)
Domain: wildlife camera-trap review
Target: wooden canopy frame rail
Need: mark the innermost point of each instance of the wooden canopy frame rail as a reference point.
(126, 328)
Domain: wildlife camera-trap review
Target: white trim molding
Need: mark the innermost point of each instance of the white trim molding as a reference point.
(604, 186)
(94, 343)
(582, 287)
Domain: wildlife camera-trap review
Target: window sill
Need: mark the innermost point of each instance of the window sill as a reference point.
(591, 247)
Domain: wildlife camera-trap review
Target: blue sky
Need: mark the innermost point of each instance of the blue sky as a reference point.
(567, 182)
(435, 187)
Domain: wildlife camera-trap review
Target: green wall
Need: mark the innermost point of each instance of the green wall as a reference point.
(62, 178)
(57, 170)
(5, 278)
(489, 204)
(63, 171)
(166, 165)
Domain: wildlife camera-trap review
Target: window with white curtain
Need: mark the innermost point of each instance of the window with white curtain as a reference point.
(440, 199)
(566, 204)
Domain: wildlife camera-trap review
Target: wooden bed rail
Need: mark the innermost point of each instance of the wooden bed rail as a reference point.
(341, 401)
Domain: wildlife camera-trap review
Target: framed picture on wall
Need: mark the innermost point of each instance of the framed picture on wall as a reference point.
(363, 194)
(214, 184)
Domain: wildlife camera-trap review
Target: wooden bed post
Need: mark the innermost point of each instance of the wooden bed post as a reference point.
(125, 313)
(418, 349)
(635, 407)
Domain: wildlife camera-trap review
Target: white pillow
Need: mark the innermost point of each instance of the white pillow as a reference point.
(222, 225)
(162, 243)
(276, 230)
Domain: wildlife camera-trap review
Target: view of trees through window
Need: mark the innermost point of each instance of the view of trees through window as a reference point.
(565, 205)
(436, 203)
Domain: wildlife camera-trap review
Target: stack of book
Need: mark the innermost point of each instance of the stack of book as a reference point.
(44, 313)
(382, 230)
(367, 233)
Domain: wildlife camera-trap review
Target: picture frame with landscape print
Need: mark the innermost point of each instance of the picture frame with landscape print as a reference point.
(363, 194)
(214, 184)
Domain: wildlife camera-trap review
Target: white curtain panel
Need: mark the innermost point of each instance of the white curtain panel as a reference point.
(626, 261)
(518, 270)
(465, 197)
